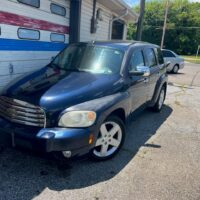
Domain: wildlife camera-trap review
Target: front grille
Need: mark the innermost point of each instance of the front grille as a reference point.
(22, 112)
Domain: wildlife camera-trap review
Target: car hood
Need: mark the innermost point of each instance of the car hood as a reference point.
(55, 90)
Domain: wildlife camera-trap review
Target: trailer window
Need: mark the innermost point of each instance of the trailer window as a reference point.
(28, 34)
(58, 10)
(33, 3)
(55, 37)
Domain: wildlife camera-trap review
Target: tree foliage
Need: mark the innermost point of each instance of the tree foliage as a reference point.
(183, 25)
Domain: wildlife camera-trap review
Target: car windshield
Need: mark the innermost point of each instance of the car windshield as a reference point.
(89, 58)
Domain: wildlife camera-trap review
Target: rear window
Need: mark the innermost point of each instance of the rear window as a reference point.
(167, 54)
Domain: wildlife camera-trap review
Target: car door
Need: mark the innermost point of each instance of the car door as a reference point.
(137, 84)
(151, 60)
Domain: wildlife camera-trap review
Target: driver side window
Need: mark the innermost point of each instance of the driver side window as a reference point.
(137, 59)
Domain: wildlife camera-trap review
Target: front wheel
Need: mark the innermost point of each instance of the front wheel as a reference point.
(110, 139)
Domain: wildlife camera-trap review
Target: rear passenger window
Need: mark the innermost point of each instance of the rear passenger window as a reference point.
(167, 54)
(28, 34)
(58, 10)
(57, 37)
(34, 3)
(136, 60)
(151, 59)
(160, 56)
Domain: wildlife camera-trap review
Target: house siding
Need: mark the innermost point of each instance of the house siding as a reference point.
(103, 26)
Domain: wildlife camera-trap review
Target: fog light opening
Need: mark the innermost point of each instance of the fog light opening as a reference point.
(67, 154)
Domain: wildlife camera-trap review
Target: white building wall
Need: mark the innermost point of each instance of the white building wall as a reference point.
(14, 63)
(86, 15)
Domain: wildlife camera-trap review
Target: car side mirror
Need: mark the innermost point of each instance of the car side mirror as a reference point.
(140, 71)
(167, 63)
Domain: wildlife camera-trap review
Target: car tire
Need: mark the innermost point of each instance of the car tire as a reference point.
(110, 139)
(175, 69)
(160, 101)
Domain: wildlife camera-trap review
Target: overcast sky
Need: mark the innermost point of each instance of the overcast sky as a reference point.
(134, 2)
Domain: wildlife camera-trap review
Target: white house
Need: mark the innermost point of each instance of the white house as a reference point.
(34, 31)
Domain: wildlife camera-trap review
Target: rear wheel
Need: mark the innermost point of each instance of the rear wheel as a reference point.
(110, 139)
(175, 69)
(159, 104)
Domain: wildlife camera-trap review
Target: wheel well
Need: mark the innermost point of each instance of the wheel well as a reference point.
(119, 113)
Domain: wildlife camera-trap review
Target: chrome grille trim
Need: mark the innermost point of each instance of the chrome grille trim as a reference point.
(21, 112)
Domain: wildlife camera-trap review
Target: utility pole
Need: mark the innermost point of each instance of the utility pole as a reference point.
(140, 20)
(165, 23)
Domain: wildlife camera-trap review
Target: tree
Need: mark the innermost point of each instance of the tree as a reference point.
(183, 25)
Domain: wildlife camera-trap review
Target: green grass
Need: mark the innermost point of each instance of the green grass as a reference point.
(192, 59)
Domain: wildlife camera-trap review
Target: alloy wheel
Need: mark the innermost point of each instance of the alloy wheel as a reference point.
(109, 139)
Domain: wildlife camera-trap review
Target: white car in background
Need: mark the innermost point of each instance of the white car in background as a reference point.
(176, 62)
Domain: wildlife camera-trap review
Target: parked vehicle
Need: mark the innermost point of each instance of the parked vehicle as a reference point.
(81, 101)
(176, 62)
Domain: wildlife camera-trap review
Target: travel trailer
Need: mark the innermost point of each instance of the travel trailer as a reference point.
(32, 32)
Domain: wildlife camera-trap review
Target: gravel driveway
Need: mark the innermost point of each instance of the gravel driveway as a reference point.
(160, 158)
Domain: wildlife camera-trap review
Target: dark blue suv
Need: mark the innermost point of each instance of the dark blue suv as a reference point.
(80, 102)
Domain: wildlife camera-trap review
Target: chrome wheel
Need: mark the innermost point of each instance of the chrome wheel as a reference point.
(161, 99)
(109, 139)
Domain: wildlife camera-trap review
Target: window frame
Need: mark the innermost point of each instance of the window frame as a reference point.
(157, 55)
(57, 34)
(23, 38)
(29, 4)
(58, 6)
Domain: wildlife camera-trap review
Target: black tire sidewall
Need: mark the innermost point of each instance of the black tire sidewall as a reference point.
(156, 107)
(175, 72)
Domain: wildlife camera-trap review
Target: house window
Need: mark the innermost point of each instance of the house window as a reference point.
(28, 34)
(55, 37)
(58, 10)
(33, 3)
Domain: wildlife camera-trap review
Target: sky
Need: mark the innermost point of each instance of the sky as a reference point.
(135, 2)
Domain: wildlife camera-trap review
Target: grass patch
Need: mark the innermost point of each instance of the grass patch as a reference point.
(192, 59)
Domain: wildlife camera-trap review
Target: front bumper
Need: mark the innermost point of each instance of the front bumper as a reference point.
(75, 140)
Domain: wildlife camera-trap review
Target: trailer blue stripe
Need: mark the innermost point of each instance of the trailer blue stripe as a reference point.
(29, 45)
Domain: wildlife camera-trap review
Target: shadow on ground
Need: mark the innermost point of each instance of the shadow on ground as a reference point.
(24, 175)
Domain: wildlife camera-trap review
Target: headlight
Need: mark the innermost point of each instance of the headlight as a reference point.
(77, 119)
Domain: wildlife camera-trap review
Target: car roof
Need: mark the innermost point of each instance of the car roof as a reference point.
(121, 44)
